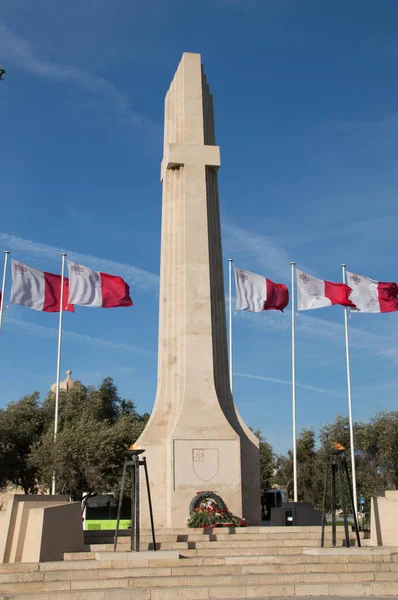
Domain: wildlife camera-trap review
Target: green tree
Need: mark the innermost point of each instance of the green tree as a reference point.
(377, 453)
(96, 427)
(309, 470)
(267, 461)
(21, 426)
(339, 431)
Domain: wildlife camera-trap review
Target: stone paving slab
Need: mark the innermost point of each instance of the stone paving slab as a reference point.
(109, 570)
(205, 593)
(368, 551)
(158, 556)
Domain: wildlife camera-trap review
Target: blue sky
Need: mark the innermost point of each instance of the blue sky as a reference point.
(306, 118)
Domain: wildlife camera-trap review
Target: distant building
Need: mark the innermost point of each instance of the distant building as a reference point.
(66, 384)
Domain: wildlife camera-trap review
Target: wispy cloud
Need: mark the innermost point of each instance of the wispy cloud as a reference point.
(18, 51)
(300, 385)
(262, 250)
(34, 329)
(378, 227)
(127, 370)
(266, 253)
(27, 249)
(319, 330)
(248, 247)
(391, 49)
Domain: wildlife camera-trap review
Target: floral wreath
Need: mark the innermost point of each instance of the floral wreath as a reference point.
(207, 509)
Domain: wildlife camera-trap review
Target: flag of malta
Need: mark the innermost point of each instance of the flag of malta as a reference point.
(255, 293)
(317, 293)
(372, 296)
(91, 288)
(38, 289)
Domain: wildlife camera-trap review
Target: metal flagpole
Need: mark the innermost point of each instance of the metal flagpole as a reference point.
(293, 265)
(3, 287)
(230, 261)
(61, 307)
(347, 352)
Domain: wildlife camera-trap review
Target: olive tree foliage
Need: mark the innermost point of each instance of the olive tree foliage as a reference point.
(374, 469)
(267, 461)
(95, 428)
(21, 425)
(309, 469)
(376, 457)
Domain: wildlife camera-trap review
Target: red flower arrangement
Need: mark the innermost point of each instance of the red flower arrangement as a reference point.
(208, 510)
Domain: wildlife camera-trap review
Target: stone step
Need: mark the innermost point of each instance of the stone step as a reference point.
(250, 528)
(204, 591)
(208, 552)
(79, 555)
(87, 557)
(203, 531)
(99, 571)
(53, 581)
(241, 551)
(273, 572)
(281, 555)
(210, 548)
(231, 544)
(189, 552)
(216, 537)
(125, 545)
(221, 530)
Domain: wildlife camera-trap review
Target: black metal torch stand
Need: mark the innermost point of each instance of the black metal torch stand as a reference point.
(337, 463)
(133, 462)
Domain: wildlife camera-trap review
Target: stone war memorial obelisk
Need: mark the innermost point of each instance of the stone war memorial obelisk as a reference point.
(195, 439)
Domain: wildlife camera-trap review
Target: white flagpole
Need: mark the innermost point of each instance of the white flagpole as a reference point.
(230, 261)
(3, 287)
(293, 302)
(58, 360)
(347, 352)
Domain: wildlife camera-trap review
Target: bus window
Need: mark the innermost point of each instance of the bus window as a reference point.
(100, 512)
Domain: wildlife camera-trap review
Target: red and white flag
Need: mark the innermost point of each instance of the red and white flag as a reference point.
(317, 293)
(36, 289)
(92, 288)
(255, 293)
(372, 296)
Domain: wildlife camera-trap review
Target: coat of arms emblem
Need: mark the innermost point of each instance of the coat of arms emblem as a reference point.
(205, 463)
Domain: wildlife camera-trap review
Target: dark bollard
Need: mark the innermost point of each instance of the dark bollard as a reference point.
(133, 462)
(337, 463)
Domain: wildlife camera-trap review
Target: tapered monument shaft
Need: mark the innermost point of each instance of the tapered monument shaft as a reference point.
(195, 438)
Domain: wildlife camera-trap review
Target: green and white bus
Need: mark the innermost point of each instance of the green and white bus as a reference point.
(99, 512)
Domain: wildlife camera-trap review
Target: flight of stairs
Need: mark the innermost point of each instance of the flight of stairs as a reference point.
(252, 562)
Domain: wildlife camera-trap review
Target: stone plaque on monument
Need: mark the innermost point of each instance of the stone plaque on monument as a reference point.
(195, 438)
